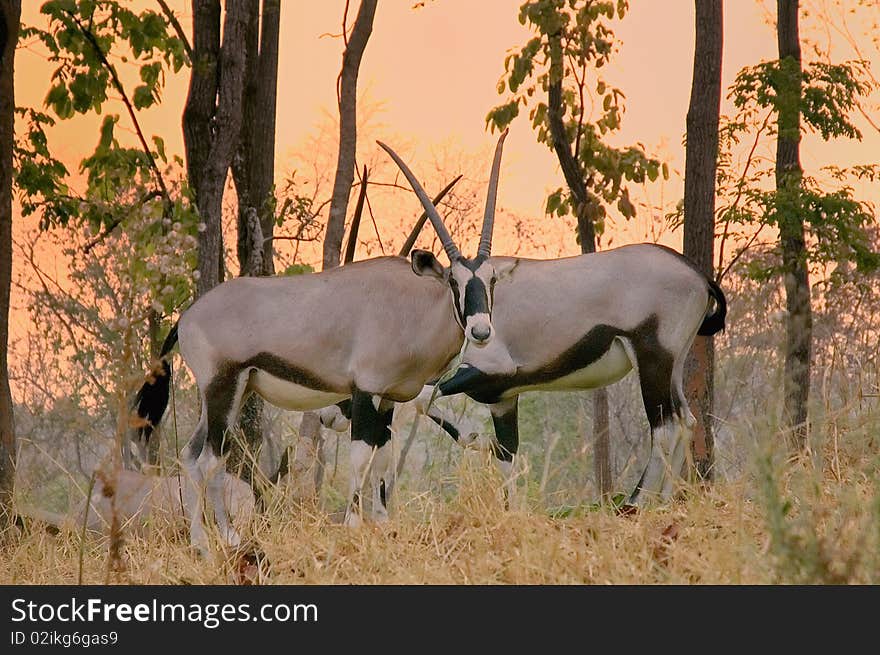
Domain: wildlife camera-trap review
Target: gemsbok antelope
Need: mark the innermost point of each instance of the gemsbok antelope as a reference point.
(584, 322)
(375, 330)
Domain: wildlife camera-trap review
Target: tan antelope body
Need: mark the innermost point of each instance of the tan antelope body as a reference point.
(376, 331)
(585, 322)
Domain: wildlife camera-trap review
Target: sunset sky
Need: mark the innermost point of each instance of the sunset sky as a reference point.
(432, 73)
(429, 76)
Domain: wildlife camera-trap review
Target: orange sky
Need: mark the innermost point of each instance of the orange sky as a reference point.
(432, 72)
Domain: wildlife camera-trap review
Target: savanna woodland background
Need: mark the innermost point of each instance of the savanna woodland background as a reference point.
(150, 149)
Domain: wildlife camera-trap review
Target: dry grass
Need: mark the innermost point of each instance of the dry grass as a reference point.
(721, 535)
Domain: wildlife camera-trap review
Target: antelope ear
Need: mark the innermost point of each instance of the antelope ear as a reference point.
(505, 268)
(424, 263)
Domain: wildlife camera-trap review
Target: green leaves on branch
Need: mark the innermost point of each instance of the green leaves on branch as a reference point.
(823, 97)
(39, 177)
(80, 37)
(828, 93)
(87, 40)
(573, 40)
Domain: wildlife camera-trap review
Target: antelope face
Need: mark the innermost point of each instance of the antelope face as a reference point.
(471, 281)
(472, 284)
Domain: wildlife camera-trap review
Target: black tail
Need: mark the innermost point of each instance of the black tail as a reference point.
(152, 397)
(714, 322)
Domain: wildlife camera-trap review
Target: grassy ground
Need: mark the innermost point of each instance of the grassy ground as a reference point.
(788, 522)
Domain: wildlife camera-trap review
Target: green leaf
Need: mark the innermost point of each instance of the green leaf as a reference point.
(160, 148)
(143, 97)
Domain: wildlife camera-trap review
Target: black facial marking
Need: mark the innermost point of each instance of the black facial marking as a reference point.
(473, 264)
(446, 426)
(475, 298)
(453, 284)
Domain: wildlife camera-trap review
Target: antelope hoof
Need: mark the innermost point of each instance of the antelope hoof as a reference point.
(231, 538)
(201, 550)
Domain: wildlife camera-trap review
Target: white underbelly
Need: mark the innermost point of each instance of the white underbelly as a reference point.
(608, 369)
(290, 396)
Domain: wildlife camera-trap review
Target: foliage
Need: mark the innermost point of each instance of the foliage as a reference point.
(836, 222)
(83, 39)
(573, 41)
(108, 292)
(81, 35)
(128, 236)
(298, 269)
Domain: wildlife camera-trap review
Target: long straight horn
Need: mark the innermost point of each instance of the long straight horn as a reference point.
(414, 233)
(448, 244)
(489, 216)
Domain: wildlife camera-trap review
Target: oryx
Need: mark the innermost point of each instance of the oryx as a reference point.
(584, 322)
(375, 330)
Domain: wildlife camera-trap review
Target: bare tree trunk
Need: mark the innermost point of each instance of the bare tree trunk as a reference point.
(789, 174)
(212, 121)
(351, 61)
(254, 165)
(587, 210)
(701, 152)
(10, 15)
(601, 411)
(264, 137)
(253, 171)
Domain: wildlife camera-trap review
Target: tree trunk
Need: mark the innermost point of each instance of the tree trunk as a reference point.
(587, 210)
(264, 138)
(351, 61)
(789, 174)
(254, 174)
(212, 121)
(701, 153)
(601, 410)
(10, 14)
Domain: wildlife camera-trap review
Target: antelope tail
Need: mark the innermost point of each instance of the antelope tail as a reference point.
(152, 398)
(714, 322)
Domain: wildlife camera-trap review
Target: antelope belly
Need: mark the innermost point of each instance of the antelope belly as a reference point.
(291, 396)
(609, 368)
